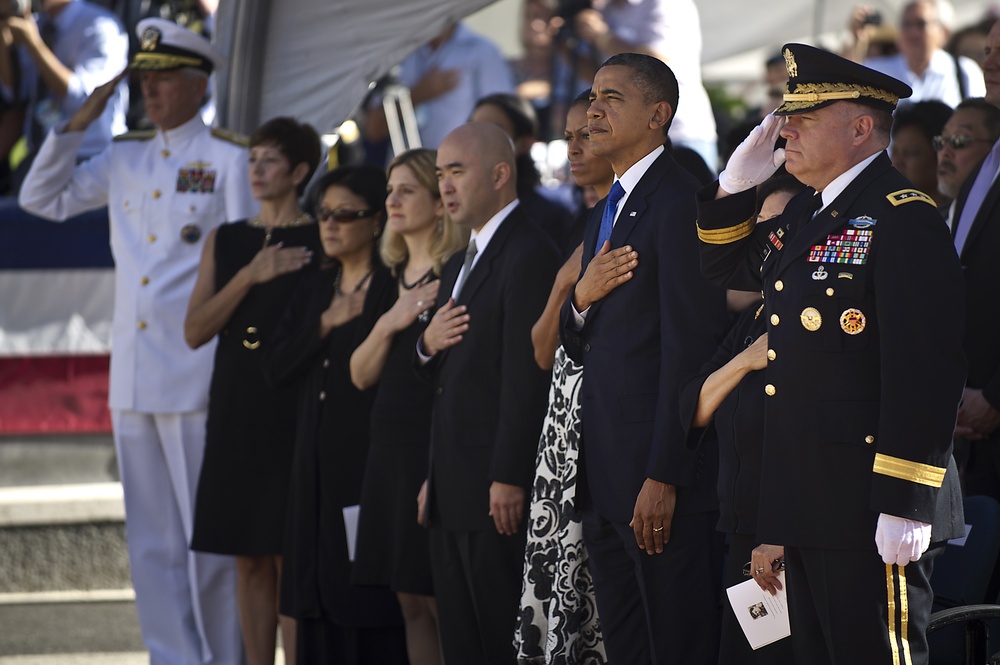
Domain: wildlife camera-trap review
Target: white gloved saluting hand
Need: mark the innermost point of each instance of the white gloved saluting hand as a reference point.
(900, 540)
(755, 160)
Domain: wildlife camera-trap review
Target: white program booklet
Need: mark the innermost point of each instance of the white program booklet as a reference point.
(763, 617)
(351, 526)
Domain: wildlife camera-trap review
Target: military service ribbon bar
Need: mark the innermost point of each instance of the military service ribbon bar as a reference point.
(851, 247)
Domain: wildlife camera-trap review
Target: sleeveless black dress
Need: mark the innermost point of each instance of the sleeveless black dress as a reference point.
(392, 547)
(240, 507)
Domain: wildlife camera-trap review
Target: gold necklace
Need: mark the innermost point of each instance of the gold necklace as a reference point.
(257, 222)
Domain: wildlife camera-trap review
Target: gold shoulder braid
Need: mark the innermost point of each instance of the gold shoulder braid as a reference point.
(231, 136)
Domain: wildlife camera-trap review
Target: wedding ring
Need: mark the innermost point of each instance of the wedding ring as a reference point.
(657, 529)
(760, 571)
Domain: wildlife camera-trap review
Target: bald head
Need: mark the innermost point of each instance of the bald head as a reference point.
(476, 176)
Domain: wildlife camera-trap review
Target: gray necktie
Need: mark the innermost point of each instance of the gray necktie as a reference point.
(470, 256)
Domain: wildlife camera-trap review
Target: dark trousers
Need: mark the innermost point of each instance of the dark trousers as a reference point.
(323, 642)
(847, 607)
(660, 609)
(477, 582)
(734, 648)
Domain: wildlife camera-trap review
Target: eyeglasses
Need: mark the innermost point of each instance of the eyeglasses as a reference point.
(957, 141)
(342, 216)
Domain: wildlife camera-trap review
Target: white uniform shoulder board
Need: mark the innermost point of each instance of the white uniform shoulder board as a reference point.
(231, 136)
(908, 195)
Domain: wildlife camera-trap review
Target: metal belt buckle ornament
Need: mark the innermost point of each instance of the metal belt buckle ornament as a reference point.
(852, 321)
(811, 319)
(251, 341)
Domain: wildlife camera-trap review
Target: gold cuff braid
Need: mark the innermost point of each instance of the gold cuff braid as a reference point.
(915, 472)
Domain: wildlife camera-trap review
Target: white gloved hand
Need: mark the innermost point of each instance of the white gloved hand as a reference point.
(755, 160)
(900, 540)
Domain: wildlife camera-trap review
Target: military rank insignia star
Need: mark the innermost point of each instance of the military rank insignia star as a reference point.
(196, 178)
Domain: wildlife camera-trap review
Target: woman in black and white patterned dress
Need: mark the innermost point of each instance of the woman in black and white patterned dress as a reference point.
(558, 622)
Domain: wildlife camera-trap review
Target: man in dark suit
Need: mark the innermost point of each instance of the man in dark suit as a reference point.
(976, 229)
(858, 481)
(640, 320)
(490, 396)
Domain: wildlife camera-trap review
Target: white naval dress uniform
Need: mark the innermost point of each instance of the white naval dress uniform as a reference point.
(165, 191)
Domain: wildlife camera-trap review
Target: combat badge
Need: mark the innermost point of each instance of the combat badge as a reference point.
(862, 222)
(190, 234)
(820, 274)
(852, 321)
(196, 178)
(811, 319)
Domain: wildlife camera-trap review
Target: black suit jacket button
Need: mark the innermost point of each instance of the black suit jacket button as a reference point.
(440, 390)
(586, 347)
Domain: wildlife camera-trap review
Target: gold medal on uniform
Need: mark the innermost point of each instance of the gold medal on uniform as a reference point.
(852, 321)
(811, 319)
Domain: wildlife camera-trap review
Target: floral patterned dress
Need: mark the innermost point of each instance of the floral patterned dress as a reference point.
(557, 622)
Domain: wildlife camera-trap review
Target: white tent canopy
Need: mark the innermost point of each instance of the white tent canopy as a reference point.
(314, 59)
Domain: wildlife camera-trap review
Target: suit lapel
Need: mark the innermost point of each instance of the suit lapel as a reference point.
(636, 204)
(983, 215)
(832, 217)
(484, 264)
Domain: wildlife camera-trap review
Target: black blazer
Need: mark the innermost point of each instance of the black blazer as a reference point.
(982, 286)
(637, 346)
(863, 389)
(489, 395)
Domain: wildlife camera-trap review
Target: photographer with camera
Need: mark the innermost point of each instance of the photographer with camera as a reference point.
(50, 62)
(669, 30)
(922, 63)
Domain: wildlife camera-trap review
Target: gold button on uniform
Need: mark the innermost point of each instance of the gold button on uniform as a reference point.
(779, 285)
(770, 389)
(152, 238)
(144, 281)
(156, 194)
(141, 325)
(829, 292)
(774, 319)
(165, 153)
(771, 355)
(869, 439)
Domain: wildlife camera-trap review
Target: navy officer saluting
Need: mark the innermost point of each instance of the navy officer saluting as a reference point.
(865, 369)
(165, 190)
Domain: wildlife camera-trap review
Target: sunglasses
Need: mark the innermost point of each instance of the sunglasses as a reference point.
(958, 141)
(342, 216)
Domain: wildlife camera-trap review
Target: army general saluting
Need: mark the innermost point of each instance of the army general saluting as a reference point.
(865, 369)
(165, 190)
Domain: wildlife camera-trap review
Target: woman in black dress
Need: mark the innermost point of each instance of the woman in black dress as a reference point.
(248, 271)
(392, 548)
(337, 622)
(728, 397)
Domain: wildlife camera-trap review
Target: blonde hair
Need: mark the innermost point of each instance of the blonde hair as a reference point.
(448, 237)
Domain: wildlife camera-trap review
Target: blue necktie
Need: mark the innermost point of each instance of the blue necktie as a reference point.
(608, 218)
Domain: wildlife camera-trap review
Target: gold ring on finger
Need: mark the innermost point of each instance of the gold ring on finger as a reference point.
(657, 529)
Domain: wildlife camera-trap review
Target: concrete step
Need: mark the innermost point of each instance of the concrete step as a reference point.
(57, 460)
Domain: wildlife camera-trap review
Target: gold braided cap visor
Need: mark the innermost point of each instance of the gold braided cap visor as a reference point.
(165, 61)
(807, 95)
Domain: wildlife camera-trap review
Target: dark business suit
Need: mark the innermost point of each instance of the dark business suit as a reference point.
(860, 396)
(489, 402)
(637, 345)
(982, 325)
